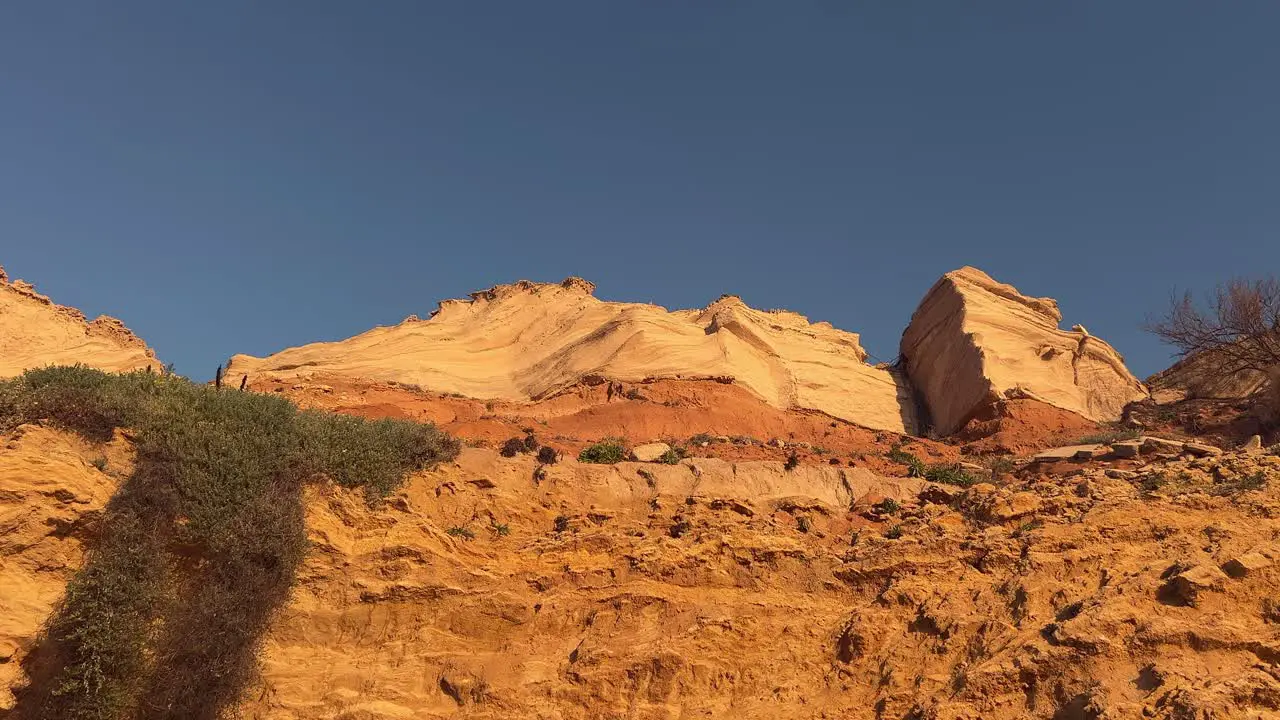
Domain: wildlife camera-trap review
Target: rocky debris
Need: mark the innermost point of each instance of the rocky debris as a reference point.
(1071, 452)
(1127, 448)
(974, 341)
(1160, 445)
(1189, 584)
(1201, 449)
(650, 452)
(1242, 565)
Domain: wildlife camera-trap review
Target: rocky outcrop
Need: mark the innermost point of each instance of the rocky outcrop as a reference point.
(733, 590)
(35, 332)
(1197, 376)
(974, 341)
(530, 341)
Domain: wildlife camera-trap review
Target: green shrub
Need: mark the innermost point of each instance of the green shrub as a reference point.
(915, 466)
(671, 457)
(950, 475)
(894, 532)
(512, 447)
(500, 529)
(465, 533)
(200, 544)
(887, 506)
(607, 452)
(701, 439)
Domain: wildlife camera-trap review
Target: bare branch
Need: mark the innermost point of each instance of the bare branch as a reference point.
(1238, 331)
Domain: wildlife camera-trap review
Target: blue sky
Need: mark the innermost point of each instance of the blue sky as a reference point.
(246, 176)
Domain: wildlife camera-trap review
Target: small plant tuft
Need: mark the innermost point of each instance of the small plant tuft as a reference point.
(463, 532)
(547, 455)
(607, 452)
(793, 462)
(894, 532)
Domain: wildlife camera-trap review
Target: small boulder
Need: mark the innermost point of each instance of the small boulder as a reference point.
(1242, 565)
(1201, 449)
(1126, 449)
(1161, 445)
(1188, 584)
(1118, 474)
(1253, 444)
(650, 452)
(1070, 452)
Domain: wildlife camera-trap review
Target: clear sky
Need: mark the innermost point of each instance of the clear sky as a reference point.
(240, 176)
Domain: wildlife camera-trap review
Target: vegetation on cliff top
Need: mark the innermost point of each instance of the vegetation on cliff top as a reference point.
(200, 544)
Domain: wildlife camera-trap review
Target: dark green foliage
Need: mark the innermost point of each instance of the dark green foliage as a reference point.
(793, 462)
(200, 544)
(547, 455)
(244, 380)
(511, 447)
(530, 442)
(700, 439)
(672, 456)
(500, 529)
(894, 532)
(950, 475)
(465, 533)
(607, 452)
(915, 466)
(100, 463)
(217, 379)
(887, 506)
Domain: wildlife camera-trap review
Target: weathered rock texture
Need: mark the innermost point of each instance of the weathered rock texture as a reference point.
(529, 341)
(35, 332)
(739, 590)
(974, 341)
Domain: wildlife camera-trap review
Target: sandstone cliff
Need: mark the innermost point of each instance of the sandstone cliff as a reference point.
(529, 341)
(35, 332)
(712, 589)
(974, 341)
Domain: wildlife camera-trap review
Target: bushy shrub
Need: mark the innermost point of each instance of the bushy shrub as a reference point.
(672, 456)
(607, 452)
(199, 545)
(950, 475)
(793, 462)
(547, 455)
(511, 447)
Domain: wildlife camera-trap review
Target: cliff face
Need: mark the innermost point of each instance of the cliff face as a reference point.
(733, 590)
(530, 341)
(35, 332)
(974, 341)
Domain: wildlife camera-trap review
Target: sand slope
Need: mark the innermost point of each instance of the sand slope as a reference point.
(529, 341)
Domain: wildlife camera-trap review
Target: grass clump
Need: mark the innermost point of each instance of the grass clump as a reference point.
(607, 452)
(915, 466)
(950, 475)
(672, 456)
(199, 545)
(463, 532)
(894, 532)
(887, 506)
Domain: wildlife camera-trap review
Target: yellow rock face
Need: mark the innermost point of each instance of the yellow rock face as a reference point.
(528, 341)
(35, 332)
(50, 490)
(974, 341)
